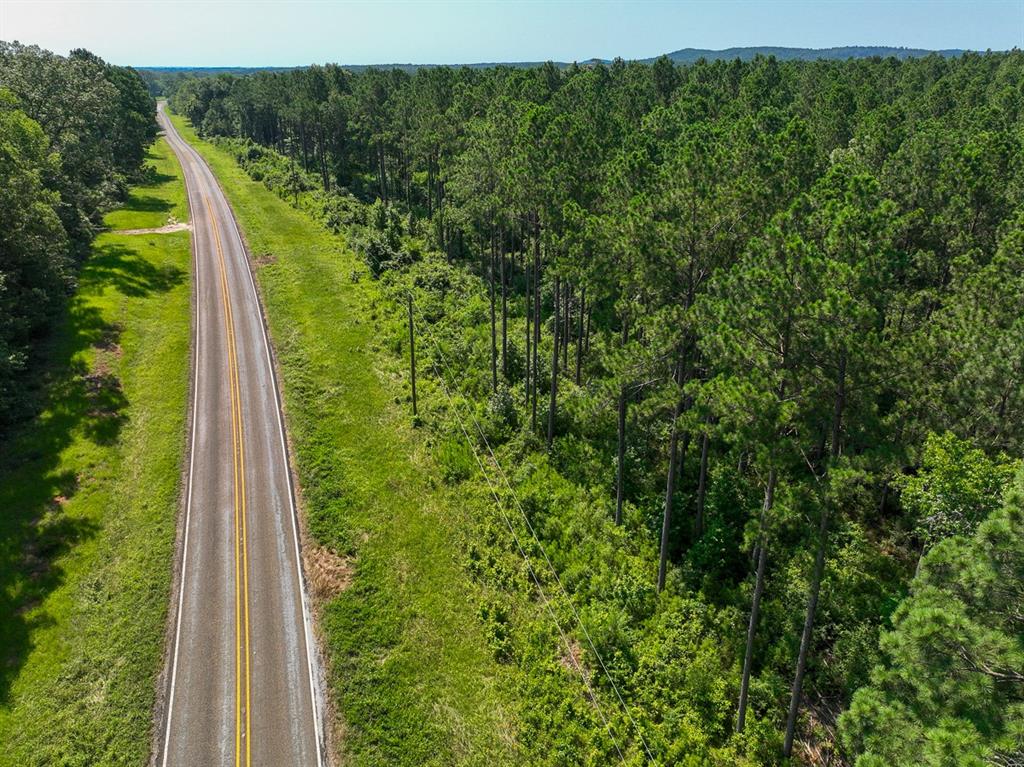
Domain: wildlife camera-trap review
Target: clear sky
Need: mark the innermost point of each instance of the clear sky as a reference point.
(231, 32)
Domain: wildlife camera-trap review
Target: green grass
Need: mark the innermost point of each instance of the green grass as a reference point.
(89, 493)
(161, 199)
(412, 676)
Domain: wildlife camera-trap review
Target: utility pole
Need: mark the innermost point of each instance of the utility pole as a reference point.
(412, 355)
(555, 320)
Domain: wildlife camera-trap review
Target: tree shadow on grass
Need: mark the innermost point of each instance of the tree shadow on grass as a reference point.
(147, 203)
(116, 266)
(150, 176)
(77, 400)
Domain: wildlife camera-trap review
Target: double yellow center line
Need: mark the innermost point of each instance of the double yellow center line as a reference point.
(242, 652)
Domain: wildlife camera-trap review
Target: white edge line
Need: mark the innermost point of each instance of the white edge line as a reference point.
(306, 617)
(191, 462)
(303, 598)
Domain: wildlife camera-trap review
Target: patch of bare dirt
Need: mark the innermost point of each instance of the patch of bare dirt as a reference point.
(108, 342)
(264, 259)
(101, 378)
(329, 574)
(572, 659)
(177, 226)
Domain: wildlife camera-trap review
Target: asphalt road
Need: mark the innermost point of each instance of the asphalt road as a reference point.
(241, 673)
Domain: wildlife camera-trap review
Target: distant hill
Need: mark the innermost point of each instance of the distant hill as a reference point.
(160, 78)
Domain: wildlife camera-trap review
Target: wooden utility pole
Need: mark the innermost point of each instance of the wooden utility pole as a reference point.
(412, 356)
(504, 303)
(537, 285)
(528, 317)
(555, 320)
(494, 341)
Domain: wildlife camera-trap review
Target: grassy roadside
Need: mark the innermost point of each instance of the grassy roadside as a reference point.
(413, 678)
(89, 492)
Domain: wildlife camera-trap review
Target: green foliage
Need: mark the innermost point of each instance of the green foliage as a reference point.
(456, 460)
(817, 265)
(73, 133)
(36, 271)
(956, 488)
(950, 688)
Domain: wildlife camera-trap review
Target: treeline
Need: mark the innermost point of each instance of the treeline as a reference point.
(73, 132)
(755, 327)
(164, 81)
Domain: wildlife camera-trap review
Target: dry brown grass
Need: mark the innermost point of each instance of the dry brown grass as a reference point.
(329, 574)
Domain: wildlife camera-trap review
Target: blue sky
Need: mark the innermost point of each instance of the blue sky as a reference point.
(287, 33)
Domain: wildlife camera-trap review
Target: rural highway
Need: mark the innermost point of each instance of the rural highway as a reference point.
(241, 681)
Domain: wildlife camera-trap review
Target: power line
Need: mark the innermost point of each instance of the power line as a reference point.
(536, 539)
(529, 565)
(508, 522)
(523, 552)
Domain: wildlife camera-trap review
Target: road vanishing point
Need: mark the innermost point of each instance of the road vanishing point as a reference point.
(241, 675)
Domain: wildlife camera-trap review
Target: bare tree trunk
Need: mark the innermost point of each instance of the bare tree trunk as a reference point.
(819, 447)
(755, 604)
(527, 314)
(670, 482)
(430, 188)
(295, 187)
(819, 568)
(322, 159)
(884, 498)
(536, 315)
(407, 183)
(567, 326)
(670, 488)
(494, 340)
(579, 335)
(684, 448)
(702, 484)
(586, 344)
(554, 367)
(805, 638)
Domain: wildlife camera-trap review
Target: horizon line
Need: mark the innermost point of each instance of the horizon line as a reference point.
(575, 61)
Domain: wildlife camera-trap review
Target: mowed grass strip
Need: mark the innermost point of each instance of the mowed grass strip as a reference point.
(412, 677)
(89, 497)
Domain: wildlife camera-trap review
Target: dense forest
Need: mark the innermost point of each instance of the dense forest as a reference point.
(746, 339)
(73, 132)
